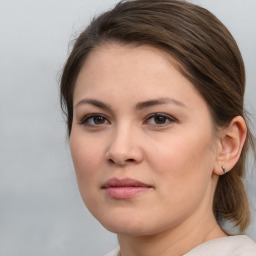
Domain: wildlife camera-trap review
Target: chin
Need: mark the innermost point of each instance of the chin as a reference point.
(125, 224)
(132, 225)
(128, 230)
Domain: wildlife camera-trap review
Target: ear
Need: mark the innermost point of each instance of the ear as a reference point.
(230, 144)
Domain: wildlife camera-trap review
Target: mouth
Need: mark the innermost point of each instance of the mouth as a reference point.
(125, 188)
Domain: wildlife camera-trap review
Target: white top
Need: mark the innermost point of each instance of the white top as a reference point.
(227, 246)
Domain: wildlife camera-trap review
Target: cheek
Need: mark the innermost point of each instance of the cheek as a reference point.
(184, 159)
(183, 173)
(85, 154)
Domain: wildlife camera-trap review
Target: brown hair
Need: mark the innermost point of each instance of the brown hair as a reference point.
(208, 56)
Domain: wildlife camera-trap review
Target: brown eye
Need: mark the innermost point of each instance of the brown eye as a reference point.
(94, 120)
(99, 120)
(160, 119)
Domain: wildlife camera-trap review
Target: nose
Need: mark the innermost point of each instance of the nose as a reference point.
(124, 147)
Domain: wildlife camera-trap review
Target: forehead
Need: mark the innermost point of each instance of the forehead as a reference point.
(128, 73)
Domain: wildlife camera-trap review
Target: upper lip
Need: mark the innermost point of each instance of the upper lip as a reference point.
(126, 182)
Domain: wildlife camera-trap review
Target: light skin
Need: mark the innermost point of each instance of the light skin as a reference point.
(136, 116)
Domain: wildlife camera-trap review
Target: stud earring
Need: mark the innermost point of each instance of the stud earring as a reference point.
(223, 169)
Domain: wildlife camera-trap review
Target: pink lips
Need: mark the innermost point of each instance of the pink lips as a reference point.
(125, 188)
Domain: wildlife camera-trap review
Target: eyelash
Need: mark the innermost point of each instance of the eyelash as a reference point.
(165, 116)
(86, 120)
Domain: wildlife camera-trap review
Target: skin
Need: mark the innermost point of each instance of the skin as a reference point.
(179, 154)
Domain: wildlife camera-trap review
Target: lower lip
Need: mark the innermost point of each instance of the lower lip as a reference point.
(125, 192)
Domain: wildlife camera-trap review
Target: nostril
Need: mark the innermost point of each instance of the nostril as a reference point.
(111, 161)
(119, 162)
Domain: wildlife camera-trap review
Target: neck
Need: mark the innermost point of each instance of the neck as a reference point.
(176, 241)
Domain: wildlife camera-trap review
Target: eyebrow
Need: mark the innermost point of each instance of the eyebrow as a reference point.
(95, 103)
(159, 101)
(139, 105)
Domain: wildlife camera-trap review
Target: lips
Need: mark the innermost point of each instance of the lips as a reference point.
(125, 188)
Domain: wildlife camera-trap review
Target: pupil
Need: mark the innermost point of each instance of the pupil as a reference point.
(99, 120)
(160, 119)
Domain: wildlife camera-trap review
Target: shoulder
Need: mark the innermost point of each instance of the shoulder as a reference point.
(227, 246)
(115, 252)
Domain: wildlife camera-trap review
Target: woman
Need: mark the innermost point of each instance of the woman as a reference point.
(153, 93)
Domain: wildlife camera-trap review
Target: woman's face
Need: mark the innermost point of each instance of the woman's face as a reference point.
(142, 142)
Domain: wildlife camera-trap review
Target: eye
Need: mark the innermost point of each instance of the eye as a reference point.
(94, 120)
(160, 119)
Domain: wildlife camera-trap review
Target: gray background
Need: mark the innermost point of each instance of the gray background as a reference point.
(41, 212)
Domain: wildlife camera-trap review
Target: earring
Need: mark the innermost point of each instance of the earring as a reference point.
(223, 169)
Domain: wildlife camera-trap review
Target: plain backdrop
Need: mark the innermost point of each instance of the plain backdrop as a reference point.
(41, 212)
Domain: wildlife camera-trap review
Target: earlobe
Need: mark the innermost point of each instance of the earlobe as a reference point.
(231, 143)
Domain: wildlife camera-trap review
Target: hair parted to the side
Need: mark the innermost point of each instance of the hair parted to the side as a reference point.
(207, 55)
